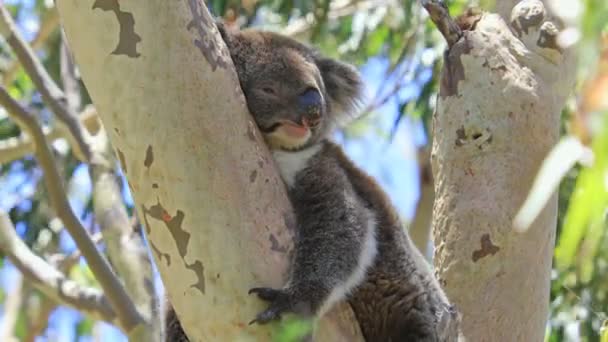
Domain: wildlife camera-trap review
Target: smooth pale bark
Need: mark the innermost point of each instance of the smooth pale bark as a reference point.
(497, 117)
(217, 216)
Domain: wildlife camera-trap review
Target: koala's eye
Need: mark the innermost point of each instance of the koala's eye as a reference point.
(268, 90)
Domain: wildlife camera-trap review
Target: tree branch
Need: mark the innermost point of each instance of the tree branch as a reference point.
(128, 315)
(125, 247)
(49, 23)
(48, 279)
(17, 147)
(52, 96)
(65, 262)
(38, 321)
(439, 14)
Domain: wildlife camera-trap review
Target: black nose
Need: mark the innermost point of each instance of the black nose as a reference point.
(309, 102)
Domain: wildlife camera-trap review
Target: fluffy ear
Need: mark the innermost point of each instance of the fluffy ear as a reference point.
(343, 84)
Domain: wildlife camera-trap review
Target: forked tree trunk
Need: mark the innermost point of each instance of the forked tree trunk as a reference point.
(216, 214)
(497, 117)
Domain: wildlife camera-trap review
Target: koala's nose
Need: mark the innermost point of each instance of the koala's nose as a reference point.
(310, 102)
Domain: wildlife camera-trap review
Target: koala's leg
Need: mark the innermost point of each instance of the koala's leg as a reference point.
(334, 248)
(173, 327)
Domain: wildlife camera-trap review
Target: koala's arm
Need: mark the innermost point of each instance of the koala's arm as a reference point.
(335, 244)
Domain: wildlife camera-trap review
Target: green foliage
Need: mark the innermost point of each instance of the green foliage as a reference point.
(293, 330)
(579, 292)
(585, 219)
(85, 327)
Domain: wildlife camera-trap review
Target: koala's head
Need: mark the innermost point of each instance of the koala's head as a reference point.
(294, 94)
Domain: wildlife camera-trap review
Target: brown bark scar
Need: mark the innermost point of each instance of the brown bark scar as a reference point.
(453, 70)
(173, 223)
(205, 41)
(160, 254)
(487, 248)
(253, 175)
(149, 157)
(461, 136)
(127, 38)
(198, 268)
(180, 236)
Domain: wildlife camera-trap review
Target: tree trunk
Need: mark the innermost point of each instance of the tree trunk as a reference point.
(497, 117)
(216, 214)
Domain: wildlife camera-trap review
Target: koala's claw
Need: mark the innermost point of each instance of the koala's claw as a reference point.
(279, 303)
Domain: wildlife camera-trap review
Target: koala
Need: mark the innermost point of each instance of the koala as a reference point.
(350, 243)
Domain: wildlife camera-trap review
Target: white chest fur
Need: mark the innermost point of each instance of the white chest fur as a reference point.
(290, 163)
(367, 255)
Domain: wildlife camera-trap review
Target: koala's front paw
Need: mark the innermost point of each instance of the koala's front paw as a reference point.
(279, 303)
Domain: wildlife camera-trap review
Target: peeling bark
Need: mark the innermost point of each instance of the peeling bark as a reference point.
(497, 118)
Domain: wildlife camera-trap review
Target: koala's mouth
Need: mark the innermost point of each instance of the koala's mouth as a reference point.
(288, 135)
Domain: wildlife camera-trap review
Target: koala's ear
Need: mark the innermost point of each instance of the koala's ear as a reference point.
(343, 84)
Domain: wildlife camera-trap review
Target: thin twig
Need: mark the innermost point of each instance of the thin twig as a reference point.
(17, 147)
(65, 262)
(52, 96)
(301, 25)
(128, 315)
(438, 11)
(48, 279)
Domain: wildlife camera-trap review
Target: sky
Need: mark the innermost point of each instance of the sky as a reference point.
(391, 162)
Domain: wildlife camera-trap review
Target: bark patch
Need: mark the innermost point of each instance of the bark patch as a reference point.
(128, 38)
(198, 269)
(453, 70)
(149, 157)
(160, 254)
(487, 248)
(253, 175)
(204, 40)
(173, 223)
(461, 136)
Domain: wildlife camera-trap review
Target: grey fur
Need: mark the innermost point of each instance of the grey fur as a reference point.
(344, 219)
